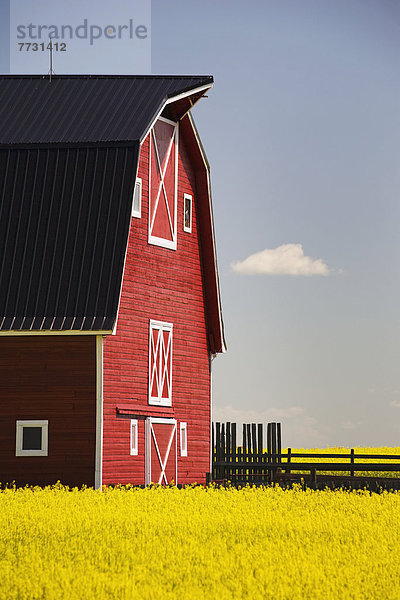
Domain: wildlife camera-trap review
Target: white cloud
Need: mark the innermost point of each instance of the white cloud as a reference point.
(350, 425)
(288, 259)
(395, 403)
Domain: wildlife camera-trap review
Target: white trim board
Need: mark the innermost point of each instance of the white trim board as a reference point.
(207, 166)
(52, 332)
(206, 87)
(149, 434)
(152, 239)
(98, 462)
(154, 372)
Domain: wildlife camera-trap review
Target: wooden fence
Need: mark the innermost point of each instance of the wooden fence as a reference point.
(251, 462)
(254, 463)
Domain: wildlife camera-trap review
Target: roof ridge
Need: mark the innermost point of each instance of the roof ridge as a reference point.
(98, 76)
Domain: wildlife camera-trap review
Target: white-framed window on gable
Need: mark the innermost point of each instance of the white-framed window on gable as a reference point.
(163, 182)
(183, 438)
(32, 438)
(160, 363)
(137, 199)
(187, 213)
(134, 437)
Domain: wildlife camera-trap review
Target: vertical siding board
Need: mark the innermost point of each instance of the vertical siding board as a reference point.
(7, 200)
(59, 221)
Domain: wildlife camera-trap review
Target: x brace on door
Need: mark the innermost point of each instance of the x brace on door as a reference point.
(160, 363)
(163, 188)
(151, 435)
(163, 463)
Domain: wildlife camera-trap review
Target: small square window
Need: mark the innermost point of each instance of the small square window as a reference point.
(137, 199)
(31, 438)
(134, 437)
(183, 438)
(187, 213)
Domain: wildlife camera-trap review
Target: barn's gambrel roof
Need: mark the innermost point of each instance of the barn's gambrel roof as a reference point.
(67, 147)
(87, 108)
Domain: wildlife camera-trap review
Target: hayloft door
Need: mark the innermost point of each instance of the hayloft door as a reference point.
(163, 183)
(161, 451)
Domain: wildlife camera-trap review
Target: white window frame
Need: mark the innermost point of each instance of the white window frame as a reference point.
(137, 212)
(134, 437)
(44, 424)
(152, 239)
(190, 198)
(183, 438)
(159, 400)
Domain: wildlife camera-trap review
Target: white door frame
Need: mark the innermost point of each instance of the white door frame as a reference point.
(162, 460)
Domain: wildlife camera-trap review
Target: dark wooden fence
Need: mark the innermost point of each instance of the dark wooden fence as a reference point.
(251, 462)
(256, 462)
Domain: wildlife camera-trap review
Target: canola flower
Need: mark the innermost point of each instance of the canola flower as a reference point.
(198, 542)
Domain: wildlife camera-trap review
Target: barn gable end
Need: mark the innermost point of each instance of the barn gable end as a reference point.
(134, 300)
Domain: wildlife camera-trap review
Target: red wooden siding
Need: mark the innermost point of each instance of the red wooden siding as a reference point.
(54, 378)
(165, 285)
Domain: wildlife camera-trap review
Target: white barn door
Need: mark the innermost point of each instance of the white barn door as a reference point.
(161, 451)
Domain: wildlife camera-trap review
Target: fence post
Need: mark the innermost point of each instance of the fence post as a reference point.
(212, 450)
(313, 474)
(269, 449)
(273, 429)
(254, 451)
(279, 442)
(244, 446)
(289, 458)
(227, 449)
(240, 458)
(260, 450)
(223, 450)
(352, 462)
(233, 449)
(216, 469)
(274, 449)
(249, 470)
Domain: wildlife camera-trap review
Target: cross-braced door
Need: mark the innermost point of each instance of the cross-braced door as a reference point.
(160, 363)
(163, 183)
(161, 451)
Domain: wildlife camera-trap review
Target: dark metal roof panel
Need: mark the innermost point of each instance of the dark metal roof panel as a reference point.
(64, 224)
(85, 108)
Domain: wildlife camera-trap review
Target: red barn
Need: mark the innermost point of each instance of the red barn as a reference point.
(109, 300)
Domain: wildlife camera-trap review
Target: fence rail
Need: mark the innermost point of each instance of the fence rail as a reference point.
(252, 463)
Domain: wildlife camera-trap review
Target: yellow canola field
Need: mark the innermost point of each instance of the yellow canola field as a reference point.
(346, 451)
(164, 543)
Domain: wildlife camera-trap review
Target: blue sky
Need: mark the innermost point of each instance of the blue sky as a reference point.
(301, 130)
